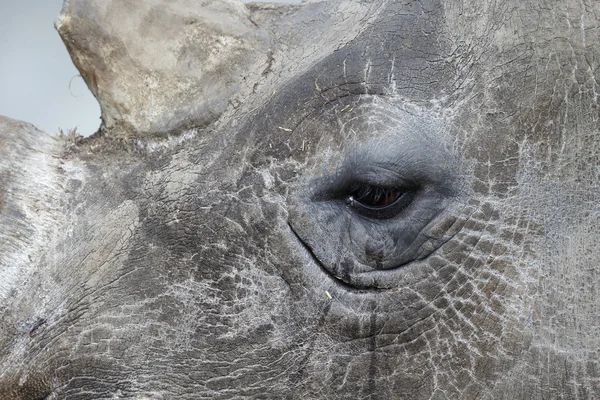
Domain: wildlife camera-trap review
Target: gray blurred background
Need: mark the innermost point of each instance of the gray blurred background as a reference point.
(38, 82)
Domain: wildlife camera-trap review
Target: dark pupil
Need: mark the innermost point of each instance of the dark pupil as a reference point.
(376, 196)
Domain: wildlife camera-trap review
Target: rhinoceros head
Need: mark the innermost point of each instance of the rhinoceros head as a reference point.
(333, 200)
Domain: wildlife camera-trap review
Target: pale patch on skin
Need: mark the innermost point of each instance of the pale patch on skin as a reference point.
(113, 232)
(31, 193)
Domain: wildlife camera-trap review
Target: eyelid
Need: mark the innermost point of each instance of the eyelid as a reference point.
(343, 184)
(377, 175)
(369, 194)
(386, 212)
(373, 170)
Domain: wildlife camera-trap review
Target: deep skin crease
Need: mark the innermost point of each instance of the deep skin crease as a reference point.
(226, 257)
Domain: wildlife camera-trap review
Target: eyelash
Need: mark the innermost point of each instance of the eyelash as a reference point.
(377, 201)
(362, 191)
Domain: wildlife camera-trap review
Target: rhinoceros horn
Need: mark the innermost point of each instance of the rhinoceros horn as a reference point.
(201, 54)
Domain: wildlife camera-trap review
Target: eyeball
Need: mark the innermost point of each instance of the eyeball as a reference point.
(379, 202)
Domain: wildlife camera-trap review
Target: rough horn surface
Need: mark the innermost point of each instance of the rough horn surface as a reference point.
(158, 66)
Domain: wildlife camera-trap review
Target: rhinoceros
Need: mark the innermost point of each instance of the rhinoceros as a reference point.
(332, 200)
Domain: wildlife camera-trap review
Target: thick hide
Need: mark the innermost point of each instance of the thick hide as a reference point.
(332, 200)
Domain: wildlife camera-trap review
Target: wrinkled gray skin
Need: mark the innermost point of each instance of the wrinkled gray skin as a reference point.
(208, 248)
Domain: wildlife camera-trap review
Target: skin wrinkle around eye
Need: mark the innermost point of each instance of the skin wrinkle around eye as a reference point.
(391, 276)
(386, 279)
(407, 152)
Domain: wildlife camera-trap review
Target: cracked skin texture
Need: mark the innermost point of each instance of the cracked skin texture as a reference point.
(224, 260)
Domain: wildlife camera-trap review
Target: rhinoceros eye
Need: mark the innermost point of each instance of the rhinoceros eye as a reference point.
(379, 202)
